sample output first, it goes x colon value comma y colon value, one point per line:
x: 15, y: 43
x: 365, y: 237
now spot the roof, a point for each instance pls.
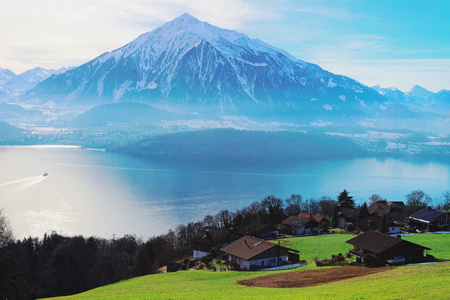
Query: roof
x: 373, y: 223
x: 349, y: 213
x: 259, y: 227
x: 295, y: 221
x: 212, y: 236
x: 383, y: 207
x: 377, y: 242
x: 379, y: 208
x: 247, y: 247
x: 316, y: 218
x: 426, y: 215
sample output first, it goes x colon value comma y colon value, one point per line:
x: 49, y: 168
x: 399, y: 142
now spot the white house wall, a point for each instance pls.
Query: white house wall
x: 394, y: 230
x: 199, y: 254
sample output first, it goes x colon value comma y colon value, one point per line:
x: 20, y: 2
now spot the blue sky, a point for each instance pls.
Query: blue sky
x: 392, y: 43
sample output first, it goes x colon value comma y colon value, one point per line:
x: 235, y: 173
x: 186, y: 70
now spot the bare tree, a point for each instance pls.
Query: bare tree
x: 327, y: 206
x: 6, y: 235
x: 374, y: 198
x: 417, y: 199
x: 273, y: 207
x: 294, y: 205
x: 312, y: 206
x: 443, y: 202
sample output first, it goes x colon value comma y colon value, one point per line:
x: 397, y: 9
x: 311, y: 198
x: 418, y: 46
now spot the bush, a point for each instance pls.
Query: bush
x: 191, y: 263
x: 207, y: 259
x: 186, y: 260
x: 370, y: 260
x: 351, y: 227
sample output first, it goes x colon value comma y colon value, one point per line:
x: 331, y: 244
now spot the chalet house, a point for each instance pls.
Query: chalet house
x: 347, y: 215
x: 260, y: 230
x: 210, y: 238
x: 304, y: 223
x: 427, y: 217
x: 390, y: 209
x: 385, y: 247
x: 250, y: 253
x: 374, y: 223
x: 318, y: 218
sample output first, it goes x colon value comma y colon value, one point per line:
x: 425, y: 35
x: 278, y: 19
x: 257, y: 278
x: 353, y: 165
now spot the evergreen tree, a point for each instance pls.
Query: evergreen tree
x: 383, y: 226
x: 345, y: 200
x: 363, y: 212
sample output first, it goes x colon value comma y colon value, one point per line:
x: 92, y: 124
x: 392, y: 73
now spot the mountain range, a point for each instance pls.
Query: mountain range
x: 195, y: 66
x: 12, y: 85
x: 191, y: 66
x: 419, y: 98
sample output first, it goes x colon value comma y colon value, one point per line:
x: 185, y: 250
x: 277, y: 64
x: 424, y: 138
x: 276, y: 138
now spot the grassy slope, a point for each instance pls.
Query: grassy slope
x: 336, y: 243
x: 408, y: 282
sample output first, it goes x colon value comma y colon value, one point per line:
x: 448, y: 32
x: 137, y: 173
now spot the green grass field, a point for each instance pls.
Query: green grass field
x: 334, y: 244
x: 406, y: 282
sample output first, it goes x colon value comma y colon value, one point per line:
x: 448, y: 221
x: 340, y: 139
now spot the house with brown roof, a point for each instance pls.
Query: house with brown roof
x: 390, y: 209
x: 210, y: 238
x: 305, y: 223
x: 250, y: 253
x: 428, y: 218
x: 347, y: 215
x: 374, y: 223
x: 385, y: 247
x: 260, y: 230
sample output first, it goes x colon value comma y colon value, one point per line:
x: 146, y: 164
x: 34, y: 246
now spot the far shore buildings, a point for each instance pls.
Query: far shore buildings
x: 250, y: 253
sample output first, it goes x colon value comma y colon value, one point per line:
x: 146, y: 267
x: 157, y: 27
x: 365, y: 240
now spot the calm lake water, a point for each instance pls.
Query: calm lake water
x: 97, y: 193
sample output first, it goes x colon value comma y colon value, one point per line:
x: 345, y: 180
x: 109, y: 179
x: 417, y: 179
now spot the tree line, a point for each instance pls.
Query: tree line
x: 56, y: 265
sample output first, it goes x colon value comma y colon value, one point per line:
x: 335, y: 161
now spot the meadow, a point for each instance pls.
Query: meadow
x: 406, y: 282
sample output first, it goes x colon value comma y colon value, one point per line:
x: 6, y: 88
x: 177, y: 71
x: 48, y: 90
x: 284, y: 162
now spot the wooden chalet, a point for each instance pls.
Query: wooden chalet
x: 210, y: 238
x: 250, y: 253
x: 260, y: 230
x: 427, y: 217
x: 374, y: 223
x: 390, y: 209
x: 347, y: 215
x: 385, y: 247
x: 305, y: 223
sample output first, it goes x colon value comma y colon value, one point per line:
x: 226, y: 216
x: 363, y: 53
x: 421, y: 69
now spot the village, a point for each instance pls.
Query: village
x: 378, y: 230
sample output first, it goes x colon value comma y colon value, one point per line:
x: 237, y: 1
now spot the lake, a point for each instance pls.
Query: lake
x: 93, y: 192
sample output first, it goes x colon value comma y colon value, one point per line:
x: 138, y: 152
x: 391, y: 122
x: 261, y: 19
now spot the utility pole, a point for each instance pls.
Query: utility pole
x: 318, y: 255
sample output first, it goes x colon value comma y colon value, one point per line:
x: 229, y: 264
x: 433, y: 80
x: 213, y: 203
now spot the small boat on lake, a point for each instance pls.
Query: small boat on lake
x: 45, y: 174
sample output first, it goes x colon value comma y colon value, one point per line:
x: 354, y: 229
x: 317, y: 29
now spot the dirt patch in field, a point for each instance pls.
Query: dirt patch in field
x: 311, y: 277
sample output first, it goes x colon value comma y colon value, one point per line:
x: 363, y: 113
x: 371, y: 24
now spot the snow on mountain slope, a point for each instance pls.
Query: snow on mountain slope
x: 189, y: 62
x: 5, y: 76
x: 418, y: 98
x: 29, y: 79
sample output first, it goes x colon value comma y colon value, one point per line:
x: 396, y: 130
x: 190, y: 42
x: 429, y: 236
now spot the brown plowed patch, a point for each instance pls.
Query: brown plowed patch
x: 311, y: 277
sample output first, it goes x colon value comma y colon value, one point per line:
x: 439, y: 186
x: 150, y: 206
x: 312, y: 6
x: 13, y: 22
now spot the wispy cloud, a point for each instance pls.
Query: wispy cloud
x: 403, y: 74
x: 338, y: 14
x: 81, y: 30
x: 352, y: 38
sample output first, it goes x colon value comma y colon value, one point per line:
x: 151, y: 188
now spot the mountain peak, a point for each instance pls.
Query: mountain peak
x: 188, y: 61
x: 421, y: 92
x: 186, y: 18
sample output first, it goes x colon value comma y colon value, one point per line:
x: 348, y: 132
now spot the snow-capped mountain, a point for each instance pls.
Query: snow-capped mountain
x: 29, y: 79
x: 5, y: 76
x: 418, y: 98
x: 187, y: 62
